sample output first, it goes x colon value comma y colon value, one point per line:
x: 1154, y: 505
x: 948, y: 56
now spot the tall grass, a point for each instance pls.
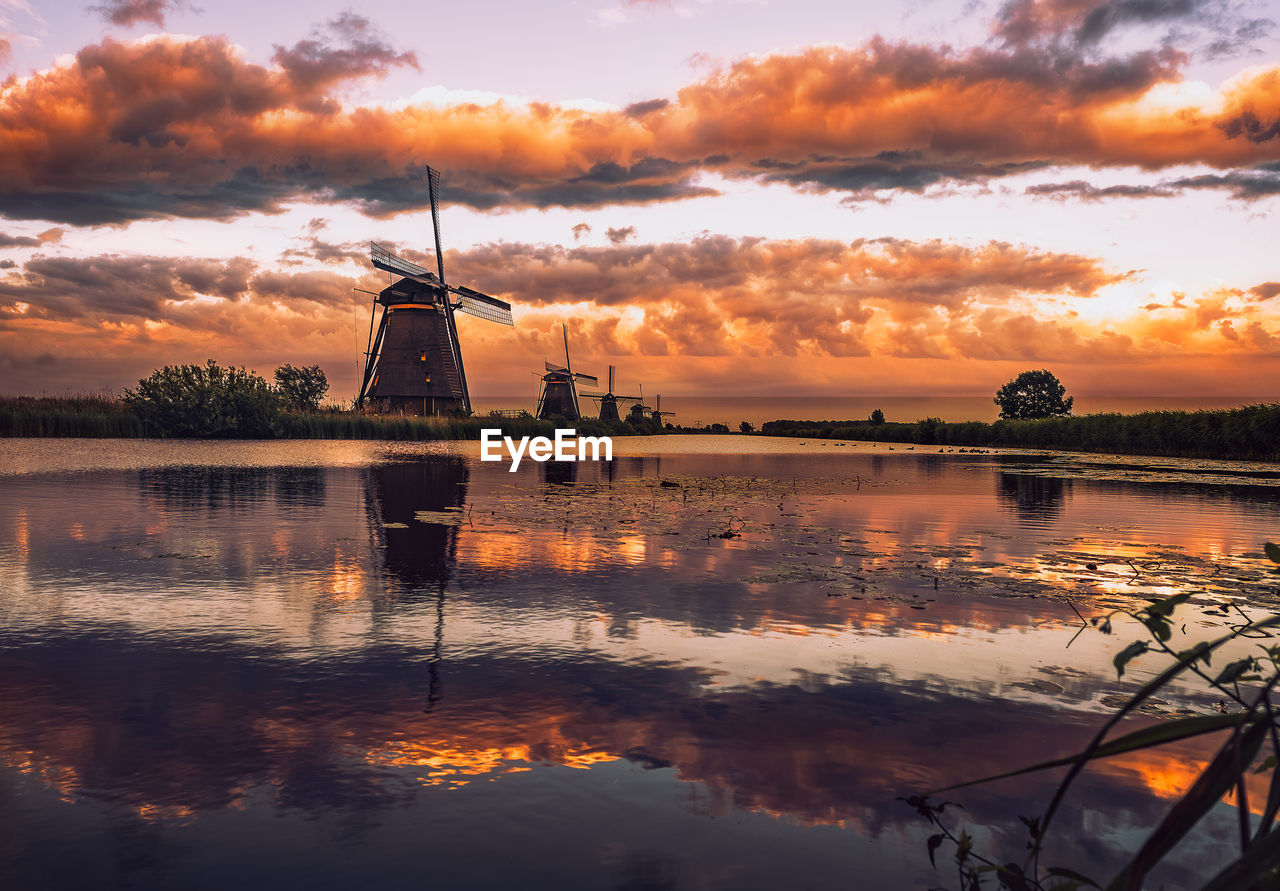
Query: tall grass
x: 89, y: 416
x: 1251, y: 432
x: 98, y: 416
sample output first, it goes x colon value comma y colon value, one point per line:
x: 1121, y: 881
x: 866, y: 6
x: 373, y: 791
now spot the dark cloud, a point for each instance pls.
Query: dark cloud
x: 49, y: 236
x: 346, y: 47
x: 1079, y: 190
x: 620, y: 234
x: 1246, y: 185
x: 115, y: 288
x: 1251, y: 127
x: 132, y: 12
x: 640, y: 109
x: 1266, y: 290
x: 579, y: 230
x: 1071, y: 26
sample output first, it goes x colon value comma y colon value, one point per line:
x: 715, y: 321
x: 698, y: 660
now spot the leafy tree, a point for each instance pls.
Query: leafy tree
x: 745, y: 427
x: 877, y: 417
x: 302, y: 388
x: 206, y: 401
x: 1033, y: 395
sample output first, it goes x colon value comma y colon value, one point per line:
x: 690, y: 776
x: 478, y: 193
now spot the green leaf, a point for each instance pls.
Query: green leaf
x: 1155, y: 735
x: 1262, y: 857
x: 1137, y: 648
x: 1165, y: 607
x: 1203, y: 795
x: 1267, y: 764
x: 933, y: 842
x: 1273, y: 551
x: 1234, y: 670
x: 1073, y: 875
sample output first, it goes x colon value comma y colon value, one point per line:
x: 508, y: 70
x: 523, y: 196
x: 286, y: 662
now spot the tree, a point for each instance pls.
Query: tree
x: 302, y: 388
x: 745, y: 427
x: 877, y: 418
x: 206, y: 401
x: 1033, y: 395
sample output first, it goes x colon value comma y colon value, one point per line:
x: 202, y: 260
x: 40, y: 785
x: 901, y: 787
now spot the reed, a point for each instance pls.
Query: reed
x: 87, y: 416
x: 1249, y: 433
x: 103, y: 416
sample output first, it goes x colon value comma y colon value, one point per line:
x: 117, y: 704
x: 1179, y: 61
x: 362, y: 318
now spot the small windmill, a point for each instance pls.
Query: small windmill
x: 414, y: 363
x: 560, y: 387
x: 609, y: 401
x: 658, y: 414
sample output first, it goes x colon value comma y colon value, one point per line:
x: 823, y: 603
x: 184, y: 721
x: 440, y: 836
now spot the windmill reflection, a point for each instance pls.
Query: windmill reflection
x: 415, y: 509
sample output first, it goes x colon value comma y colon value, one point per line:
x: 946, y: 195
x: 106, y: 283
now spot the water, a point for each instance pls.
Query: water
x: 335, y: 664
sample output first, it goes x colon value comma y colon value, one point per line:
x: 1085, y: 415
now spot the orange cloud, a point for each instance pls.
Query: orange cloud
x: 728, y: 313
x: 168, y: 127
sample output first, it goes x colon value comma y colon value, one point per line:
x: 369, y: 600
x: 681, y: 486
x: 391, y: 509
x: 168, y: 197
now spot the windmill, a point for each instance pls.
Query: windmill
x: 658, y: 414
x: 414, y: 363
x: 559, y: 387
x: 609, y: 400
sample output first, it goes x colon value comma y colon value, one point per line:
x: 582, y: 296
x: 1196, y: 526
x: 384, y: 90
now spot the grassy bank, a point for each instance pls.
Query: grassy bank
x: 92, y: 416
x: 1250, y: 433
x: 96, y: 416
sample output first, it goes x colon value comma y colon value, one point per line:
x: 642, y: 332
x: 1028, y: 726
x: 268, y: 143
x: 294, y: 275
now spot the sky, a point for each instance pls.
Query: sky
x: 720, y: 197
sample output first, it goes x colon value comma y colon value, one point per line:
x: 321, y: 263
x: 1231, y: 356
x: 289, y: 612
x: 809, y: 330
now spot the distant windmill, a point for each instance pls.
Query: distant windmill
x: 658, y: 414
x: 609, y: 400
x: 560, y: 387
x: 414, y: 363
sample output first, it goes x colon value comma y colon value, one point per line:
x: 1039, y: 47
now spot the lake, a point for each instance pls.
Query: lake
x: 712, y: 663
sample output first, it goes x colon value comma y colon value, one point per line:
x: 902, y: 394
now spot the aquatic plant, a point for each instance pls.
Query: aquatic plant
x: 1252, y: 727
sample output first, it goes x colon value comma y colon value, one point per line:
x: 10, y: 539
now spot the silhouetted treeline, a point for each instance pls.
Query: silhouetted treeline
x: 1251, y: 433
x: 98, y: 416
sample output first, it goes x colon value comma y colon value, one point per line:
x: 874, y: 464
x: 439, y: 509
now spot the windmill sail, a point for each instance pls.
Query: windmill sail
x: 473, y: 303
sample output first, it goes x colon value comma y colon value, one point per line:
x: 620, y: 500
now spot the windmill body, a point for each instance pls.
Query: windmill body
x: 609, y: 401
x: 559, y: 397
x: 414, y: 363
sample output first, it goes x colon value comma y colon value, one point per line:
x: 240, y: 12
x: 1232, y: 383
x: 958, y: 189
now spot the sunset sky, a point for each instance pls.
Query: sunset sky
x: 746, y: 197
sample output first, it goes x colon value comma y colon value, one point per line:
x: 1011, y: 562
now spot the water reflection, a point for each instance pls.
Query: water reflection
x: 572, y: 663
x: 1036, y: 498
x: 415, y: 509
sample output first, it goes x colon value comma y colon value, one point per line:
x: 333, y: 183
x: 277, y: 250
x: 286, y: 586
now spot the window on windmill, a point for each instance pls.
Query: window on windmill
x: 422, y: 357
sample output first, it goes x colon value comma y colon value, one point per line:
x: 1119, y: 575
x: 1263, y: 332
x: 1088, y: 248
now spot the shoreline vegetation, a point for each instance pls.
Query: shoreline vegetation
x: 1248, y: 433
x: 107, y: 417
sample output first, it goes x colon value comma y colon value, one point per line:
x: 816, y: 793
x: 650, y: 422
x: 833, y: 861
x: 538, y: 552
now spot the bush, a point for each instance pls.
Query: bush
x: 208, y: 402
x: 301, y: 388
x: 877, y: 417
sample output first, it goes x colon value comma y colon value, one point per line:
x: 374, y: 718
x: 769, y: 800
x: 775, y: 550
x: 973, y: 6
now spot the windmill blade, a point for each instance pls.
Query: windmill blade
x: 482, y: 306
x: 586, y: 378
x: 551, y: 366
x: 388, y: 262
x: 433, y: 187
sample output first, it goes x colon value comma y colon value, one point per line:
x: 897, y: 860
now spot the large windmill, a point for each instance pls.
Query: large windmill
x: 609, y: 401
x: 414, y: 364
x: 560, y: 387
